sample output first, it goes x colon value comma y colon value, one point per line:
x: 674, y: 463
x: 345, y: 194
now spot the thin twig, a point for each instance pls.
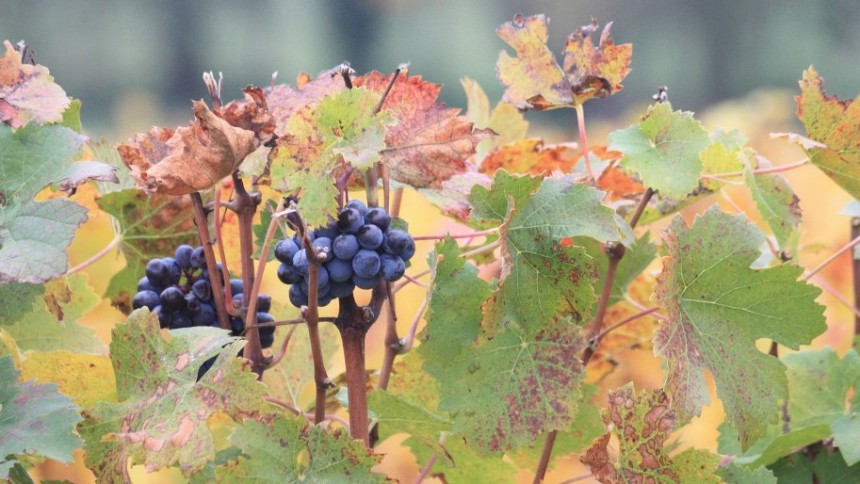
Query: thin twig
x: 406, y: 344
x: 578, y: 478
x: 457, y: 236
x: 759, y: 171
x: 583, y: 139
x: 247, y: 207
x: 621, y: 323
x: 833, y: 292
x: 425, y: 471
x: 832, y: 258
x: 211, y: 264
x: 284, y: 346
x: 105, y: 251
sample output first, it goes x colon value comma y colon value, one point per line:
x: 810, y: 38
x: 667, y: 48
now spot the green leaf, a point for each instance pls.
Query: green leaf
x: 636, y: 259
x: 288, y: 450
x: 583, y: 429
x: 774, y: 445
x: 396, y: 415
x: 825, y: 468
x: 260, y: 230
x: 490, y: 205
x: 318, y: 203
x: 539, y: 275
x: 33, y: 242
x: 462, y: 462
x: 642, y: 423
x: 51, y: 322
x: 148, y: 226
x: 663, y: 149
x: 819, y: 385
x: 738, y: 474
x: 718, y: 307
x: 835, y: 124
x: 777, y: 204
x: 17, y: 300
x: 161, y: 418
x: 72, y: 116
x: 34, y: 420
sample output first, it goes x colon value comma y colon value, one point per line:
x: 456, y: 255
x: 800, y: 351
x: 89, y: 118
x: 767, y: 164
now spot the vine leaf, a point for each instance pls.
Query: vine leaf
x: 284, y: 101
x: 777, y: 203
x: 501, y: 392
x: 663, y: 149
x: 532, y: 156
x: 505, y: 120
x: 34, y: 235
x: 532, y: 79
x: 289, y: 380
x: 86, y: 378
x: 819, y: 384
x: 50, y: 322
x: 427, y: 143
x: 718, y: 307
x: 738, y: 474
x: 289, y: 450
x: 835, y: 124
x: 539, y: 276
x: 467, y: 463
x: 595, y: 71
x: 28, y: 92
x: 34, y: 420
x: 773, y: 446
x: 251, y: 113
x: 161, y: 417
x: 642, y: 424
x: 396, y: 414
x: 826, y: 466
x: 149, y: 227
x: 189, y: 159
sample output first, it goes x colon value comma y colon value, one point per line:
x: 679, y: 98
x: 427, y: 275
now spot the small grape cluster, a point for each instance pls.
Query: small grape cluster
x: 358, y: 250
x: 177, y: 289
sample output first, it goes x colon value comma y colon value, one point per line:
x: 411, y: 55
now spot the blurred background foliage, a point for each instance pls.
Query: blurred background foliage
x: 736, y: 63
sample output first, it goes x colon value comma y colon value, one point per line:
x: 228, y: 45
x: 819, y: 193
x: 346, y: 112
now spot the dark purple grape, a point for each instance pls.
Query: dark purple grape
x: 237, y: 325
x: 192, y: 304
x: 145, y: 285
x: 265, y: 317
x: 158, y: 273
x: 339, y: 270
x: 329, y: 231
x: 345, y: 246
x: 349, y: 220
x: 322, y: 281
x: 236, y: 286
x: 198, y: 258
x: 202, y: 289
x: 370, y: 237
x: 285, y: 250
x: 237, y: 301
x: 365, y: 282
x: 205, y: 273
x: 297, y: 297
x: 174, y: 269
x: 358, y: 205
x: 325, y: 299
x: 183, y: 256
x: 163, y: 317
x: 266, y: 339
x: 206, y: 316
x: 392, y: 267
x: 341, y: 288
x: 172, y: 299
x: 300, y: 261
x: 366, y: 263
x: 264, y: 303
x: 145, y: 298
x: 289, y: 274
x: 379, y: 217
x: 398, y: 242
x: 180, y: 319
x: 323, y: 247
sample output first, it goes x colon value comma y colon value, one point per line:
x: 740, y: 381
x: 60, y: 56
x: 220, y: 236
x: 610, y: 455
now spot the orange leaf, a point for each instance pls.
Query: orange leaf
x: 595, y: 71
x: 251, y: 113
x: 189, y: 159
x: 531, y: 156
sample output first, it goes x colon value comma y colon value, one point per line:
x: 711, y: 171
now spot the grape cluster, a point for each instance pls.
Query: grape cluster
x: 177, y: 289
x: 358, y: 250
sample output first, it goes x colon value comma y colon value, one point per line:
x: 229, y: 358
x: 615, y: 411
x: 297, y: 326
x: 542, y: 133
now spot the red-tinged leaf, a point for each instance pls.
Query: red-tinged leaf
x: 28, y: 92
x: 595, y: 71
x: 251, y: 113
x: 189, y: 159
x: 427, y: 142
x: 836, y: 124
x: 532, y: 156
x: 642, y: 424
x: 533, y: 79
x: 718, y: 307
x: 284, y: 101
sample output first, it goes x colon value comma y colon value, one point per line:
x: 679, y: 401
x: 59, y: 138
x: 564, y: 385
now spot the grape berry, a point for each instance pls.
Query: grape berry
x: 359, y: 249
x: 177, y: 289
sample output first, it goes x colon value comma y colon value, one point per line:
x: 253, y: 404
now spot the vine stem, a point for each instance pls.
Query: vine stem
x: 105, y: 251
x: 246, y: 207
x: 209, y: 253
x: 855, y: 262
x: 225, y: 271
x: 759, y: 171
x: 830, y: 259
x: 583, y: 138
x: 833, y: 292
x: 614, y: 252
x: 413, y: 328
x: 425, y: 471
x: 458, y: 236
x: 392, y: 339
x: 627, y: 320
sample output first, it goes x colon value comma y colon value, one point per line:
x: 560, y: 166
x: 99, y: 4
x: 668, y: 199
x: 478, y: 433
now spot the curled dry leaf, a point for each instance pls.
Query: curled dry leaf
x: 82, y: 171
x: 251, y: 113
x: 189, y: 159
x: 28, y: 92
x: 595, y: 71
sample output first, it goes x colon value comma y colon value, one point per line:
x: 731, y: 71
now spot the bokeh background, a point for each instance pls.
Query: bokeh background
x: 736, y: 63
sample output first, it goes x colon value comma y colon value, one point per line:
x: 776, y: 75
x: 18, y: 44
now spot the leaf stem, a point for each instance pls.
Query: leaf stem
x: 545, y: 455
x: 758, y: 171
x: 406, y: 343
x: 623, y: 322
x: 284, y: 346
x: 225, y: 270
x: 457, y: 236
x: 833, y: 257
x: 583, y: 138
x: 105, y: 251
x: 425, y: 471
x: 855, y: 262
x: 209, y: 253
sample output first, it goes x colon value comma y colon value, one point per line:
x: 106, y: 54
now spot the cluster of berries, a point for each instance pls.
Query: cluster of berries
x: 358, y: 250
x: 177, y: 289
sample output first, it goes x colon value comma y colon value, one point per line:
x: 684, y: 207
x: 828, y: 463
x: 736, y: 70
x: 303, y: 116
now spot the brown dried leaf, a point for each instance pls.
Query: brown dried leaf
x: 595, y: 71
x: 189, y: 159
x: 251, y: 113
x: 28, y: 92
x: 284, y: 101
x: 428, y: 143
